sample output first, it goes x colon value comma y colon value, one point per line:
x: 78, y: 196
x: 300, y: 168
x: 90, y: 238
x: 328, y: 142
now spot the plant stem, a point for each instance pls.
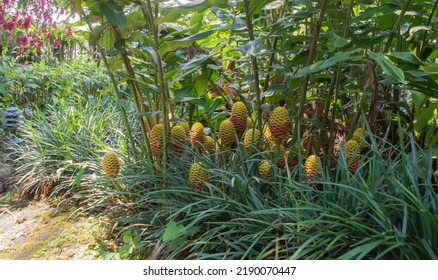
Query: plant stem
x: 119, y: 98
x: 255, y: 68
x: 429, y: 21
x: 395, y: 28
x: 312, y: 51
x: 149, y: 18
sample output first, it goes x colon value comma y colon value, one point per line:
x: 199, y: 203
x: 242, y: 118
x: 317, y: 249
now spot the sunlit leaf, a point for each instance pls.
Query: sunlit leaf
x: 388, y: 67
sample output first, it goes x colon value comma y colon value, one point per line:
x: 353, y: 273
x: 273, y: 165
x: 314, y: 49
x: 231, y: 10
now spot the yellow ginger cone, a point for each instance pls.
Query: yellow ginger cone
x: 227, y: 133
x: 265, y: 170
x: 311, y: 166
x: 279, y: 123
x: 238, y: 117
x: 351, y: 147
x: 198, y: 175
x: 359, y: 136
x: 208, y: 144
x: 111, y: 165
x: 156, y: 139
x: 353, y: 164
x: 186, y: 127
x: 251, y: 138
x: 268, y: 138
x: 197, y: 135
x: 146, y: 124
x: 178, y: 135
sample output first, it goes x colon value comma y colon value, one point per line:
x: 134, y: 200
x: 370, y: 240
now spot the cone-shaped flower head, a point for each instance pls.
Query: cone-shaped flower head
x: 251, y: 138
x: 156, y: 139
x: 238, y: 117
x: 227, y: 133
x: 265, y: 170
x: 311, y: 166
x: 197, y: 135
x: 279, y: 123
x: 178, y: 135
x: 208, y: 144
x: 111, y: 165
x: 198, y: 175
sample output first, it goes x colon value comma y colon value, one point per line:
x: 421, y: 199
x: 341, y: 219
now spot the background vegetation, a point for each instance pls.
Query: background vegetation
x: 336, y: 66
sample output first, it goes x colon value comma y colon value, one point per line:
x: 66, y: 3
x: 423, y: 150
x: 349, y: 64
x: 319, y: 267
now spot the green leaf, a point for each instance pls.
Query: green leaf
x: 422, y: 119
x: 140, y: 37
x: 406, y: 56
x: 433, y: 55
x: 336, y: 41
x: 216, y: 104
x: 324, y: 64
x: 195, y: 63
x: 172, y: 231
x: 388, y: 67
x: 259, y: 4
x: 114, y: 13
x: 97, y: 33
x: 371, y: 12
x: 174, y: 13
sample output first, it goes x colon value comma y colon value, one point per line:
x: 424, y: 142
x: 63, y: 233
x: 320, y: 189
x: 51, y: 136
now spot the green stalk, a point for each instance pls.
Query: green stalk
x: 334, y: 90
x: 429, y: 21
x: 255, y: 67
x: 396, y: 27
x: 138, y: 104
x: 312, y: 51
x: 149, y: 18
x: 138, y: 100
x: 122, y: 109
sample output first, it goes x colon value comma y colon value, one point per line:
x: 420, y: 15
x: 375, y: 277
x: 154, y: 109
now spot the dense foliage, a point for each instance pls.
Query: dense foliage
x: 285, y: 129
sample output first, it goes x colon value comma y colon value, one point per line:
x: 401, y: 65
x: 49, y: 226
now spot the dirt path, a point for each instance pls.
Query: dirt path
x: 39, y: 231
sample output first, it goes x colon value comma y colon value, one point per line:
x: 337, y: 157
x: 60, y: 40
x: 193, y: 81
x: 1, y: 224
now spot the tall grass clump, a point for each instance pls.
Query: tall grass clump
x: 387, y: 209
x: 63, y: 146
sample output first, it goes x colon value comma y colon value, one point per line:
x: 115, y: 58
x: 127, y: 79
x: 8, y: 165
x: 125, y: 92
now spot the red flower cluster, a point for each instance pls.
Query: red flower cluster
x: 32, y: 26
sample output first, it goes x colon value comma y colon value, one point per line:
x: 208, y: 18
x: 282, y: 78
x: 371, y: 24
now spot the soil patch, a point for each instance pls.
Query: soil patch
x: 39, y: 231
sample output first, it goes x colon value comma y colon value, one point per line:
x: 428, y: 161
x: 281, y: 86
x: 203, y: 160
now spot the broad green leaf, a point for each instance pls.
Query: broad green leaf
x: 274, y: 5
x: 169, y: 46
x: 256, y: 6
x: 433, y: 55
x: 324, y: 64
x: 422, y: 118
x: 114, y: 13
x: 172, y: 231
x: 416, y: 29
x: 174, y: 13
x: 196, y: 22
x: 216, y: 104
x: 336, y: 41
x: 195, y: 63
x: 201, y: 83
x: 97, y: 33
x: 140, y: 37
x: 371, y: 12
x: 406, y: 56
x: 388, y: 67
x: 432, y: 68
x: 198, y: 36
